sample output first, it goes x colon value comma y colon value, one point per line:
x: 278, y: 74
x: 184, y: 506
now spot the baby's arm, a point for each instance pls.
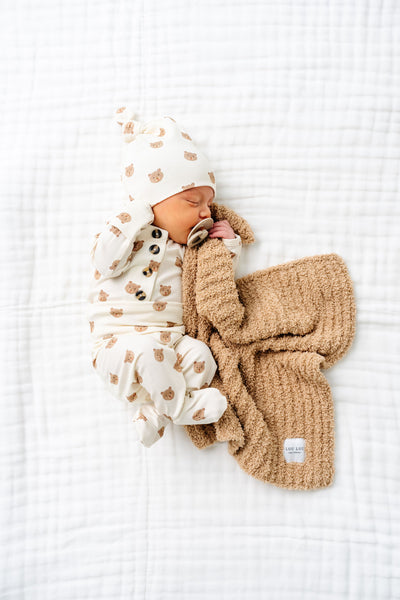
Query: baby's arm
x: 232, y: 241
x: 114, y: 244
x: 235, y: 247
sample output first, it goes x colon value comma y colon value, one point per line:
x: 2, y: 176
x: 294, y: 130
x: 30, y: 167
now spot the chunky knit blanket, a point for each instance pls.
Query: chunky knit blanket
x: 271, y: 332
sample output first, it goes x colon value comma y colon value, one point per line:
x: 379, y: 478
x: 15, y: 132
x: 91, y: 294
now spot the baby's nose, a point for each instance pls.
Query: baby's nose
x: 205, y: 212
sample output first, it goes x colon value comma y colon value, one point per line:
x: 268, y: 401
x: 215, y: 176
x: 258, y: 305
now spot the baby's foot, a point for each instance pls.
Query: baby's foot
x: 202, y: 407
x: 150, y: 425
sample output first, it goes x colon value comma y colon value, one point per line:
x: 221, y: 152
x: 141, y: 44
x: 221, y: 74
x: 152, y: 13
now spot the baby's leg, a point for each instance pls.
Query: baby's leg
x: 166, y: 373
x: 128, y: 360
x: 202, y: 403
x: 196, y: 362
x: 115, y: 364
x: 144, y: 360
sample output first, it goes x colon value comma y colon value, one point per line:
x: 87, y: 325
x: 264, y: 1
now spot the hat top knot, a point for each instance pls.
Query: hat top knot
x: 132, y: 126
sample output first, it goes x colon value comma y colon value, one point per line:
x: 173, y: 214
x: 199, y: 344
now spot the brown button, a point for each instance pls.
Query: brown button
x: 154, y: 249
x: 148, y: 271
x: 140, y: 295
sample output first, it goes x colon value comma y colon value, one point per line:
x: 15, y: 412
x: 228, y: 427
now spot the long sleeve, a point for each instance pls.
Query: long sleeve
x: 114, y: 244
x: 235, y: 247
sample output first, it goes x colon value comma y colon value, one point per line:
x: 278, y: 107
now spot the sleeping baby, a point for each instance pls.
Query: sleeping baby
x: 135, y: 312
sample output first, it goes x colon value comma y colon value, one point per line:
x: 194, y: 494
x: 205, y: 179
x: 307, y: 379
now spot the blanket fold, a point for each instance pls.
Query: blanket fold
x: 271, y: 332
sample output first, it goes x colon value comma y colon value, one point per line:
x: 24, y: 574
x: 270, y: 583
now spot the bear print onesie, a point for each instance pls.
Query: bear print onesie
x: 135, y: 310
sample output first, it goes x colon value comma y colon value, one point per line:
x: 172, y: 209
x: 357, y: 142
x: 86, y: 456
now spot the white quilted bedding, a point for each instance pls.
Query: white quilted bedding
x: 297, y: 104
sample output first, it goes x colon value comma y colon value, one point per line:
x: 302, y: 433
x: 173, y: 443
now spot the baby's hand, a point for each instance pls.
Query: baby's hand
x: 221, y: 229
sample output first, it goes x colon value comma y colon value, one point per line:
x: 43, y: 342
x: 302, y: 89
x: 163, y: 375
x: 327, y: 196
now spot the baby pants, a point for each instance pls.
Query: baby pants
x: 166, y: 375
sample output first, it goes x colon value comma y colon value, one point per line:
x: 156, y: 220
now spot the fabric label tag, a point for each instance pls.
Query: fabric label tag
x: 293, y: 449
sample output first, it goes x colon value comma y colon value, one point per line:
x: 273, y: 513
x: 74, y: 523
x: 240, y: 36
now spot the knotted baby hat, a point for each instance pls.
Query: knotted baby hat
x: 159, y: 159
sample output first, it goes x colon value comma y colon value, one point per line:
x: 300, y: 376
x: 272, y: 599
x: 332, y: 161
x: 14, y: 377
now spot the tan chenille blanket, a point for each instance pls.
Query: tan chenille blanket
x: 271, y: 332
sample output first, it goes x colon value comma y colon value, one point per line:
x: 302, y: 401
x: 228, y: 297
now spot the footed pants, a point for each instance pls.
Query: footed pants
x: 165, y: 375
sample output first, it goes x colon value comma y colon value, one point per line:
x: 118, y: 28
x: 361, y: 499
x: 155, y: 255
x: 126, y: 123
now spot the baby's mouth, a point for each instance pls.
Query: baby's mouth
x: 199, y: 232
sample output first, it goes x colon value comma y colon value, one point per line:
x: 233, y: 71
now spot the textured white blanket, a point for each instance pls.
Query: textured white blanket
x: 297, y: 104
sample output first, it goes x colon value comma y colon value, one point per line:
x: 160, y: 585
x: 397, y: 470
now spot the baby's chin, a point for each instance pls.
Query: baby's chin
x: 179, y: 237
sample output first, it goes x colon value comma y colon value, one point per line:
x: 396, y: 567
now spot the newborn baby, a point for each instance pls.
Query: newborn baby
x: 140, y: 349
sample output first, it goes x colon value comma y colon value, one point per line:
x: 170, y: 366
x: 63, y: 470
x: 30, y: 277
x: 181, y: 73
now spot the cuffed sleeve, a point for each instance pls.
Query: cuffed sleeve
x: 235, y: 247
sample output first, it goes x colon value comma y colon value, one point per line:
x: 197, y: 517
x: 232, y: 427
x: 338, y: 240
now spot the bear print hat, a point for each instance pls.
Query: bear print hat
x: 159, y: 159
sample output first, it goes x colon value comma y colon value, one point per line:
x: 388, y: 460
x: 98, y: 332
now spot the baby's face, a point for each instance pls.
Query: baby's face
x: 179, y: 213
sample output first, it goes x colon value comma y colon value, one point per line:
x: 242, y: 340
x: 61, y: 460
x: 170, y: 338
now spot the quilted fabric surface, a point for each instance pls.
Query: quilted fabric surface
x: 297, y: 105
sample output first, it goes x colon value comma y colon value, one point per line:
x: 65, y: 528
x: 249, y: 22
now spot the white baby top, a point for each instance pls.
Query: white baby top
x: 137, y: 277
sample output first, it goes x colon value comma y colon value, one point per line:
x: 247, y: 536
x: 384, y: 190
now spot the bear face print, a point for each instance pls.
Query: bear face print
x: 187, y: 187
x: 159, y: 306
x: 132, y: 397
x: 116, y: 312
x: 131, y: 198
x: 168, y: 394
x: 154, y: 265
x: 177, y: 365
x: 141, y: 417
x: 102, y: 297
x: 156, y: 176
x: 138, y: 378
x: 113, y: 378
x: 161, y: 431
x: 189, y: 155
x: 129, y: 171
x: 179, y: 262
x: 114, y: 265
x: 129, y: 356
x: 165, y: 290
x: 158, y: 354
x: 137, y: 245
x: 212, y: 177
x: 157, y: 144
x: 115, y: 230
x: 186, y: 136
x: 97, y: 274
x: 112, y: 342
x: 140, y: 328
x: 199, y: 366
x: 165, y: 337
x: 124, y: 217
x: 130, y: 257
x: 162, y: 132
x: 129, y: 127
x: 131, y: 288
x: 199, y: 415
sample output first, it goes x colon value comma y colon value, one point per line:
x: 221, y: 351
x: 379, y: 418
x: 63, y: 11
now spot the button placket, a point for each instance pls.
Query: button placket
x: 150, y: 274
